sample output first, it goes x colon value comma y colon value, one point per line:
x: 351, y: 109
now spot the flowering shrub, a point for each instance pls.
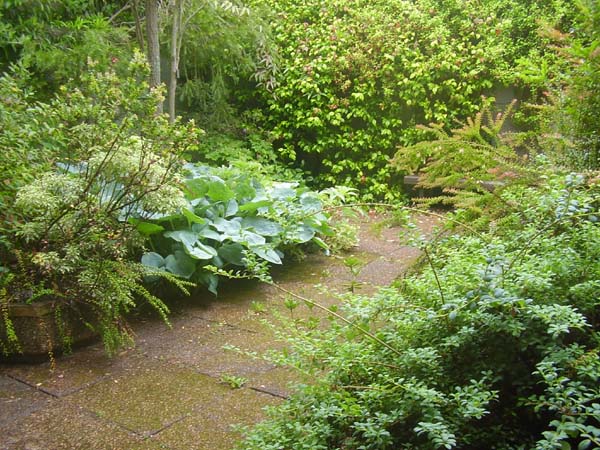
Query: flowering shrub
x: 358, y: 76
x: 81, y: 167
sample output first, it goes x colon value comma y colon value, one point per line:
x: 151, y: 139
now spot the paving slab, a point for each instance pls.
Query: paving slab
x: 150, y: 397
x: 213, y: 425
x: 69, y: 373
x: 18, y: 400
x: 63, y: 425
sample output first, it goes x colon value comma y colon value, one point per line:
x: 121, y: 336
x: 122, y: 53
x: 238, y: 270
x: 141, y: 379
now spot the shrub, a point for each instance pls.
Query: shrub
x: 494, y: 345
x: 80, y: 168
x: 582, y: 100
x: 359, y: 76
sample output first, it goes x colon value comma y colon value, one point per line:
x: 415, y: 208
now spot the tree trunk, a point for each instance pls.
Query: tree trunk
x: 138, y: 25
x: 152, y: 31
x: 175, y: 48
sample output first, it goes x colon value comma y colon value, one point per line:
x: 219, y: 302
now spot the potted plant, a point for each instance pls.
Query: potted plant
x: 81, y: 168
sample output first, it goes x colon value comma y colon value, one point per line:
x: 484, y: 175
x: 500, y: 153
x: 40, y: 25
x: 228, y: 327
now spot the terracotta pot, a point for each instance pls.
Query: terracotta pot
x: 39, y: 333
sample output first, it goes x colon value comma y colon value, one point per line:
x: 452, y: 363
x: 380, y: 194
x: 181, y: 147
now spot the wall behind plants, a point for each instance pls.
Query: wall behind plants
x: 356, y: 77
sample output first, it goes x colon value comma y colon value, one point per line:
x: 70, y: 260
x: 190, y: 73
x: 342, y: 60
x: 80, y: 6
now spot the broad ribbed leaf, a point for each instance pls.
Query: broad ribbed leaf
x: 262, y: 226
x: 255, y: 205
x: 301, y: 233
x: 219, y: 191
x: 186, y: 237
x: 232, y: 208
x: 229, y: 227
x: 232, y: 253
x: 266, y: 253
x: 310, y: 202
x: 148, y: 228
x: 191, y: 217
x: 201, y: 251
x: 250, y: 238
x: 180, y: 264
x: 209, y: 233
x: 152, y: 259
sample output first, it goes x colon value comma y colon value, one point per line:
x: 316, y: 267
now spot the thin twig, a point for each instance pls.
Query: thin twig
x: 338, y: 316
x: 437, y: 280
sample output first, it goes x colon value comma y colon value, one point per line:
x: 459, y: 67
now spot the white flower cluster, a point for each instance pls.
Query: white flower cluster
x: 48, y: 193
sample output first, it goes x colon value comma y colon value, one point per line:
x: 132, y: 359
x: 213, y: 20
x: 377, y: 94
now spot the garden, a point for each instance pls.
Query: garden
x: 158, y: 156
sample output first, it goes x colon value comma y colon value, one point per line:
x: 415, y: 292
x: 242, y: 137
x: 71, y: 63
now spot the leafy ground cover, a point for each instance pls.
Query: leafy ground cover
x: 233, y: 220
x: 493, y: 345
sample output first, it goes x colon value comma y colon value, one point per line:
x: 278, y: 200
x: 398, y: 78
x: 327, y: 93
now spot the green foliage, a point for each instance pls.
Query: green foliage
x: 494, y: 345
x: 360, y: 75
x: 582, y: 100
x: 225, y: 45
x: 478, y: 151
x: 54, y: 40
x: 233, y: 381
x: 467, y: 163
x: 251, y: 154
x: 231, y: 219
x: 81, y: 168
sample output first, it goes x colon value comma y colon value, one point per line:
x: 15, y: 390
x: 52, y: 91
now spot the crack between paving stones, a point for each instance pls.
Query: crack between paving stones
x: 266, y: 391
x: 140, y: 434
x: 168, y: 425
x: 62, y: 394
x: 96, y: 416
x: 33, y: 386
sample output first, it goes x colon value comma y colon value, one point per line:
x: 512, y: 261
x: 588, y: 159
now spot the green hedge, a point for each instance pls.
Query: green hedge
x: 355, y: 77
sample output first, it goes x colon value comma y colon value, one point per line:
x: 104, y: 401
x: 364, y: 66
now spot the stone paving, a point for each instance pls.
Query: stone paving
x: 170, y: 391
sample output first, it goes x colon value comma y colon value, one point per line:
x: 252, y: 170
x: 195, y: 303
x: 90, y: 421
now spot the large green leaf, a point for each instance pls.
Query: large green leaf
x: 146, y: 228
x: 249, y: 238
x: 321, y: 243
x: 232, y: 253
x: 219, y: 191
x: 310, y: 202
x: 186, y: 237
x: 196, y: 188
x: 266, y: 253
x: 229, y: 227
x: 209, y: 233
x: 252, y: 206
x: 284, y: 191
x: 180, y: 264
x: 208, y: 279
x: 301, y: 233
x: 231, y: 208
x: 191, y: 217
x: 200, y: 251
x: 262, y: 226
x: 153, y: 259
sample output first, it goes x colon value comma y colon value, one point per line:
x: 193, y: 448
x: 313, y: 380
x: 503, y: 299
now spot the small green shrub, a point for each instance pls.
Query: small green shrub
x: 494, y: 345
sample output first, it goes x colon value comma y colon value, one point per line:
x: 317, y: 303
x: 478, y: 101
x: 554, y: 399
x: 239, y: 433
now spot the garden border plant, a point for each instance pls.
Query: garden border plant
x: 98, y: 157
x: 531, y: 288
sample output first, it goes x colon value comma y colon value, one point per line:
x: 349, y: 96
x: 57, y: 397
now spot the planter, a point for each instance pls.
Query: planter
x: 39, y: 332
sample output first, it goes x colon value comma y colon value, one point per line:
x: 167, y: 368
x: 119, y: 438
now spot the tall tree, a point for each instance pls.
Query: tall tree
x: 176, y: 34
x: 152, y: 34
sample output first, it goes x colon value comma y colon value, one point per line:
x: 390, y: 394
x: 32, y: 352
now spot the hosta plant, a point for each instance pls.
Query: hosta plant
x: 232, y: 220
